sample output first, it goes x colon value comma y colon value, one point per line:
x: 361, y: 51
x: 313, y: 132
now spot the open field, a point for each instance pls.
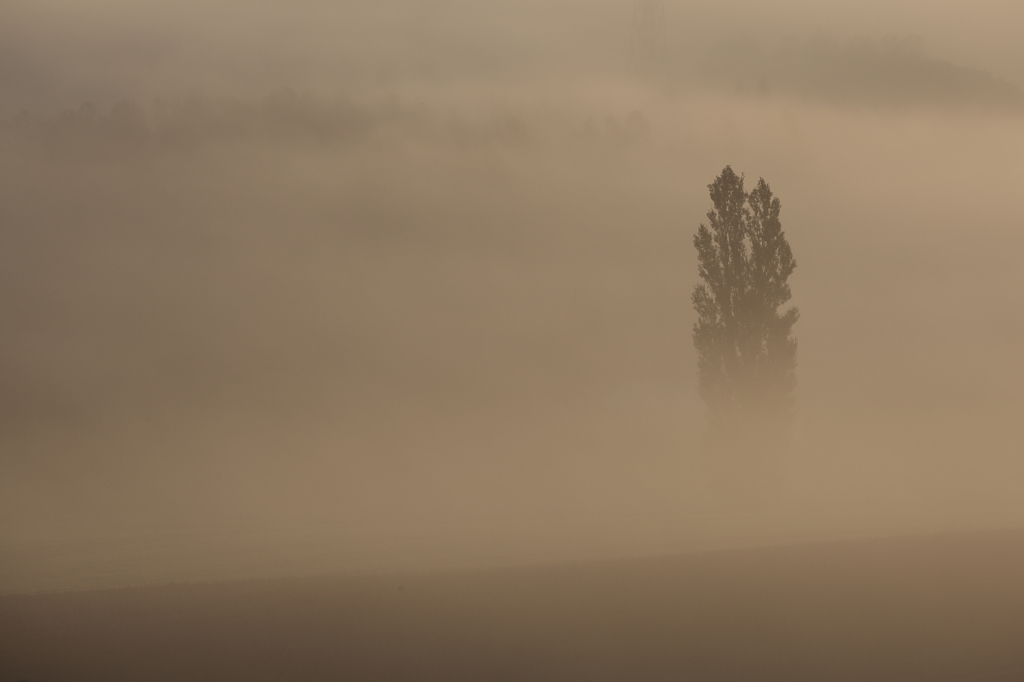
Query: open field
x: 938, y: 608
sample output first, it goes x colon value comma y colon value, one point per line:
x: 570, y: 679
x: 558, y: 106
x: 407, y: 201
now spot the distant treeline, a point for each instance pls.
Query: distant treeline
x: 887, y: 72
x: 288, y: 115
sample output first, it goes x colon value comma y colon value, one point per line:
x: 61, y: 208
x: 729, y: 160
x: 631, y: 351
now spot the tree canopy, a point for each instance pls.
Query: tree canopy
x: 746, y: 355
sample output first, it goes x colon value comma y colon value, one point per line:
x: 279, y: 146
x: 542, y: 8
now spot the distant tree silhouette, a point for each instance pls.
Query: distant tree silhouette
x: 648, y: 39
x: 746, y: 355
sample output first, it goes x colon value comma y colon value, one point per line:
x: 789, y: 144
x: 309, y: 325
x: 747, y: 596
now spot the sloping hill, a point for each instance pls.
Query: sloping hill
x: 938, y: 608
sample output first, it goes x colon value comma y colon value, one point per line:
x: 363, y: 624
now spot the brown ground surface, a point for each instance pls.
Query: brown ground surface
x: 939, y: 608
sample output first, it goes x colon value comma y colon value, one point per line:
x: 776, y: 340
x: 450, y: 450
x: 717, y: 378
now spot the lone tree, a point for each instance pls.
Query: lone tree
x: 746, y: 355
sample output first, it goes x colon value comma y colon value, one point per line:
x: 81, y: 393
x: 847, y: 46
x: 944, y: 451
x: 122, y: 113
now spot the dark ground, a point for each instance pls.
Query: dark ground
x: 942, y: 608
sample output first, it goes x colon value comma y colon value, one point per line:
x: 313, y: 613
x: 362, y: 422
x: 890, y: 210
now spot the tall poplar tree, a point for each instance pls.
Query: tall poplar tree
x: 746, y: 355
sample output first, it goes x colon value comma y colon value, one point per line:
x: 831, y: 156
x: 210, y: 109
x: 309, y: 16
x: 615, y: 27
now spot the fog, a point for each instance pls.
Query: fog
x: 325, y: 287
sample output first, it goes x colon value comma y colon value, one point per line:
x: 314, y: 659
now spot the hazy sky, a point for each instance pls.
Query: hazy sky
x: 59, y: 53
x: 420, y: 272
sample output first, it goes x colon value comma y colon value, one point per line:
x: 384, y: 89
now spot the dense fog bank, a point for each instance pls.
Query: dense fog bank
x: 437, y: 310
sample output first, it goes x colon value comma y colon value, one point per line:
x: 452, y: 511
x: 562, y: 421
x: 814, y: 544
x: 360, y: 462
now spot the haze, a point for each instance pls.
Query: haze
x: 308, y: 287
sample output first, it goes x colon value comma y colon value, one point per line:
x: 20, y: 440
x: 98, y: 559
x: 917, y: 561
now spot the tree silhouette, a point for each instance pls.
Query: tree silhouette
x: 746, y: 356
x: 648, y: 28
